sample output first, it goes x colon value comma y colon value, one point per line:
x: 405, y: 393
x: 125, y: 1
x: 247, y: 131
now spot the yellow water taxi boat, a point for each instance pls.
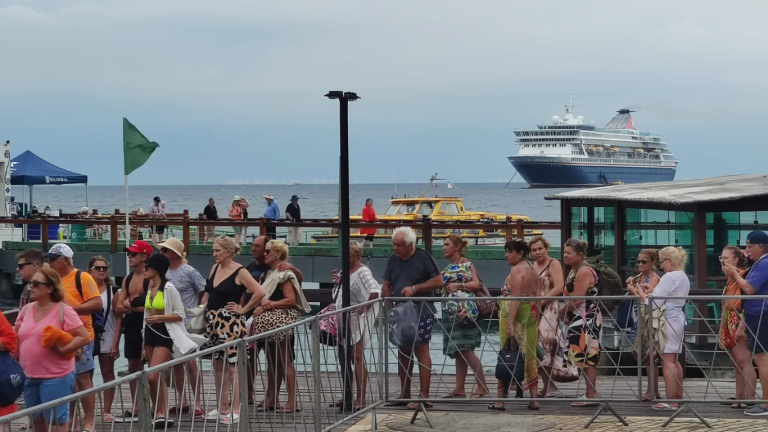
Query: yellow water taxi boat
x: 439, y: 209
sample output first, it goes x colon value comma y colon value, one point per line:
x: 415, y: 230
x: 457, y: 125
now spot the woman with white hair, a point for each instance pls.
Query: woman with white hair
x: 674, y: 283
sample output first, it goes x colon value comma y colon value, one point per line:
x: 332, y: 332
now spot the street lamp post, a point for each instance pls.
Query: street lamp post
x: 345, y: 355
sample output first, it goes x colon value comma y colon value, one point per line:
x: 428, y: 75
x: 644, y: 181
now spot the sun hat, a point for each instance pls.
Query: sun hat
x: 269, y: 196
x: 294, y: 198
x: 176, y: 245
x: 236, y: 198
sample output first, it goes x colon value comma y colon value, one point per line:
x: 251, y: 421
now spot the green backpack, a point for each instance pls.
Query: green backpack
x: 608, y: 284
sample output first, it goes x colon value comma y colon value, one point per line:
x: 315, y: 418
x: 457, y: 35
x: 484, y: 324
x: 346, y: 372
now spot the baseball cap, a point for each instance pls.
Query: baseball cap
x: 59, y: 250
x: 757, y: 237
x: 236, y: 198
x: 139, y: 246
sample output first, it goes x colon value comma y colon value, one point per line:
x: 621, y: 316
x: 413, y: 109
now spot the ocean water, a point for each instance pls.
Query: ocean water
x: 316, y: 201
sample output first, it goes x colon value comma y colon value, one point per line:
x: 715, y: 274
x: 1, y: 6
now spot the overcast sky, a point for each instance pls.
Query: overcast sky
x: 233, y: 90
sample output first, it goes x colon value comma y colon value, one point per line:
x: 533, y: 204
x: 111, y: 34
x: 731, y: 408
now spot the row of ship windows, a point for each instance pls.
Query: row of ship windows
x: 549, y: 145
x: 547, y: 133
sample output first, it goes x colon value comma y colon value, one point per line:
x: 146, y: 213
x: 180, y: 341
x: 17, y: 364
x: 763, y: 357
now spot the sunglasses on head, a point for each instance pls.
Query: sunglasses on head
x: 20, y: 266
x: 35, y: 284
x: 100, y: 268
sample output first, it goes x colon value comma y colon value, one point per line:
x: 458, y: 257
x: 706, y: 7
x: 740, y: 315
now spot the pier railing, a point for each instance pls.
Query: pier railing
x: 112, y: 227
x: 297, y: 379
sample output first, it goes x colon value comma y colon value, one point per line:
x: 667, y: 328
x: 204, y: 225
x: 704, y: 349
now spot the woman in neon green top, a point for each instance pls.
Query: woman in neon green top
x: 164, y: 333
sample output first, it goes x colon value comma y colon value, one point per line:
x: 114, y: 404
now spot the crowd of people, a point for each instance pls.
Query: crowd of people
x: 560, y: 338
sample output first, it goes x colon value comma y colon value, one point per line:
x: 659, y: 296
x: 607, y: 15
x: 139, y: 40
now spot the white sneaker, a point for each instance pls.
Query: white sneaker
x: 212, y: 415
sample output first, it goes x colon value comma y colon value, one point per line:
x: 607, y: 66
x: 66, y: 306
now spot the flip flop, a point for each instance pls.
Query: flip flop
x: 453, y: 395
x: 262, y: 408
x: 361, y: 407
x: 288, y: 411
x: 395, y: 404
x: 478, y: 395
x: 584, y: 403
x: 533, y: 407
x: 493, y: 407
x: 663, y: 407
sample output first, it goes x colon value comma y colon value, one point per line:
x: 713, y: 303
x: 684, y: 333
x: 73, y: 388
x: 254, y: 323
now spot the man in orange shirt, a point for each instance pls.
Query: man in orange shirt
x: 84, y: 297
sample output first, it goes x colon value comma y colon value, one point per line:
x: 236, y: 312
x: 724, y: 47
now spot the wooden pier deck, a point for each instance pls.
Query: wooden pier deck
x: 608, y: 386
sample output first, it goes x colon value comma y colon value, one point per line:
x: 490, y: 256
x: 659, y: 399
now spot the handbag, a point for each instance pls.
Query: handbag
x: 12, y: 379
x: 197, y: 324
x: 485, y: 308
x: 510, y: 364
x: 329, y: 325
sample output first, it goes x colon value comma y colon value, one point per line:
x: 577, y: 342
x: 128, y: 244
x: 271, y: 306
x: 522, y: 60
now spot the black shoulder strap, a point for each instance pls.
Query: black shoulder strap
x: 128, y: 280
x: 146, y: 286
x: 79, y: 284
x: 109, y: 303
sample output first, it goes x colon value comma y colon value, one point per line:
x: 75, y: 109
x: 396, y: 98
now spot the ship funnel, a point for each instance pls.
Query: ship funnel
x: 622, y: 120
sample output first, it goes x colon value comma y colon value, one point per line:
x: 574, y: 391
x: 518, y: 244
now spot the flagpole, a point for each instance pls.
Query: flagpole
x: 127, y: 224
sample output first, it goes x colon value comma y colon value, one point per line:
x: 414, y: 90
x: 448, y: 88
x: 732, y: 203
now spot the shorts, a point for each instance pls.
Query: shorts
x: 132, y: 346
x: 758, y: 340
x: 425, y: 328
x: 369, y: 238
x: 159, y: 229
x: 156, y: 336
x: 86, y: 364
x: 237, y: 229
x: 38, y: 391
x: 210, y: 231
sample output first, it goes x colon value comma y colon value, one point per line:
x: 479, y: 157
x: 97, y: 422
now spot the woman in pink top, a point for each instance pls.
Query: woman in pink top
x: 53, y: 378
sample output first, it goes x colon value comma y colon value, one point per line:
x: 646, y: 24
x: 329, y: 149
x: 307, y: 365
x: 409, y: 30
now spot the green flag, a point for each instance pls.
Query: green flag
x: 136, y: 147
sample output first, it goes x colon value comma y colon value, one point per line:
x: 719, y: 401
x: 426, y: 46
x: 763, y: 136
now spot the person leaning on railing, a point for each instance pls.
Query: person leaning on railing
x: 225, y: 322
x: 283, y: 303
x: 674, y: 283
x: 461, y: 332
x: 755, y: 322
x: 53, y: 378
x: 738, y: 349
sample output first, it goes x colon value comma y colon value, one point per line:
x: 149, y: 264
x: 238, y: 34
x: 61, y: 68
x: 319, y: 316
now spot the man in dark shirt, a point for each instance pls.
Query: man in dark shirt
x: 412, y: 272
x: 212, y: 215
x: 293, y: 214
x: 258, y: 269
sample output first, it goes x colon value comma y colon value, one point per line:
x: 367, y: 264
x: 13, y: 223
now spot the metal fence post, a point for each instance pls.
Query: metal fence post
x: 385, y: 369
x: 242, y: 380
x: 318, y: 405
x: 382, y: 349
x: 639, y: 356
x: 144, y: 403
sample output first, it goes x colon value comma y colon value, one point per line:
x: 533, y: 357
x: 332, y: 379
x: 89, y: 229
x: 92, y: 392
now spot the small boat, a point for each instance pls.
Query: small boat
x: 438, y: 209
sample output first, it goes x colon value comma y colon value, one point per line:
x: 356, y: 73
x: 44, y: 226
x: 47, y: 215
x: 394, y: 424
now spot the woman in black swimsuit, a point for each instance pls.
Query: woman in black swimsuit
x: 225, y: 321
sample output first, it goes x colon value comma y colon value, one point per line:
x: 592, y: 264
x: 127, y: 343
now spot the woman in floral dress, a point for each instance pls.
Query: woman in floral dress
x: 461, y: 331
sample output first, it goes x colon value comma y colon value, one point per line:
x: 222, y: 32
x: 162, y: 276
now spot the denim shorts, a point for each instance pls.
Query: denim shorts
x: 86, y: 364
x: 757, y: 332
x: 38, y: 391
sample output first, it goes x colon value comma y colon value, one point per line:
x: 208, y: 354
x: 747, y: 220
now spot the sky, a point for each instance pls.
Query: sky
x: 233, y: 90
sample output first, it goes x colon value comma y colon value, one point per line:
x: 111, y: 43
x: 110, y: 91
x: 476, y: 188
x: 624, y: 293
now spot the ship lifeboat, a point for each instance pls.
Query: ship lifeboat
x: 657, y: 151
x: 639, y: 150
x: 614, y: 149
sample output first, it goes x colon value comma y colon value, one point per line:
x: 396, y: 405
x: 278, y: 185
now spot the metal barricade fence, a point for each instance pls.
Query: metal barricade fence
x: 297, y: 378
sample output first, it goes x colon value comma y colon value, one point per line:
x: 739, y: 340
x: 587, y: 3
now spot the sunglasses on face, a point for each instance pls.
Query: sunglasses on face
x: 100, y: 268
x: 132, y: 254
x: 37, y: 284
x: 164, y: 250
x: 20, y: 266
x: 643, y: 262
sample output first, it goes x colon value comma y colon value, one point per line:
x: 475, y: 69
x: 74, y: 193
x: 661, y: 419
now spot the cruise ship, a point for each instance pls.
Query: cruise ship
x: 570, y: 153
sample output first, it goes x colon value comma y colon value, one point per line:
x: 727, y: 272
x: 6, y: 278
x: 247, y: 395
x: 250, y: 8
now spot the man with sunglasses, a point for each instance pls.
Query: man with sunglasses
x: 28, y: 263
x: 130, y: 303
x: 190, y: 284
x: 83, y: 295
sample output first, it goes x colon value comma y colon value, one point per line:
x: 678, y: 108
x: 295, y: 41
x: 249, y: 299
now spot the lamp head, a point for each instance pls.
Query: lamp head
x: 335, y: 94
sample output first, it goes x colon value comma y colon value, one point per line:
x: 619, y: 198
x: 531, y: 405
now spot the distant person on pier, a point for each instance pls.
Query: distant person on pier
x: 50, y: 371
x: 225, y: 322
x: 271, y: 213
x: 157, y: 212
x: 84, y: 297
x: 460, y: 317
x: 28, y: 263
x: 237, y: 214
x: 130, y: 303
x: 258, y: 270
x: 369, y: 215
x: 755, y: 323
x: 107, y: 345
x: 211, y: 214
x: 412, y: 272
x: 731, y: 318
x: 190, y: 284
x: 293, y: 214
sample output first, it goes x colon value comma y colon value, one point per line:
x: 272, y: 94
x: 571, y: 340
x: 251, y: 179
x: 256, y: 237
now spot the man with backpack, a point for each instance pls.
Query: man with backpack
x: 83, y: 295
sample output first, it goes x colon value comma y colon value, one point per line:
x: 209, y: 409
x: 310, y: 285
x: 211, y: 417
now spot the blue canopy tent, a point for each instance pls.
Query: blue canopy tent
x: 28, y: 169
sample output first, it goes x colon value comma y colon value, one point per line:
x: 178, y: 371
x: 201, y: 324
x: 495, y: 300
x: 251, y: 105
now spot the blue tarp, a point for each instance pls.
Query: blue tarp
x: 29, y: 169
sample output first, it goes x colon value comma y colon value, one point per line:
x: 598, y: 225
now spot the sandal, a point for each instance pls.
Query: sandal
x: 108, y: 418
x: 739, y: 406
x: 395, y: 404
x: 584, y: 402
x: 493, y: 407
x: 664, y: 407
x: 285, y: 410
x: 452, y: 395
x: 414, y: 405
x: 533, y: 406
x: 478, y: 395
x: 261, y: 408
x: 647, y: 397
